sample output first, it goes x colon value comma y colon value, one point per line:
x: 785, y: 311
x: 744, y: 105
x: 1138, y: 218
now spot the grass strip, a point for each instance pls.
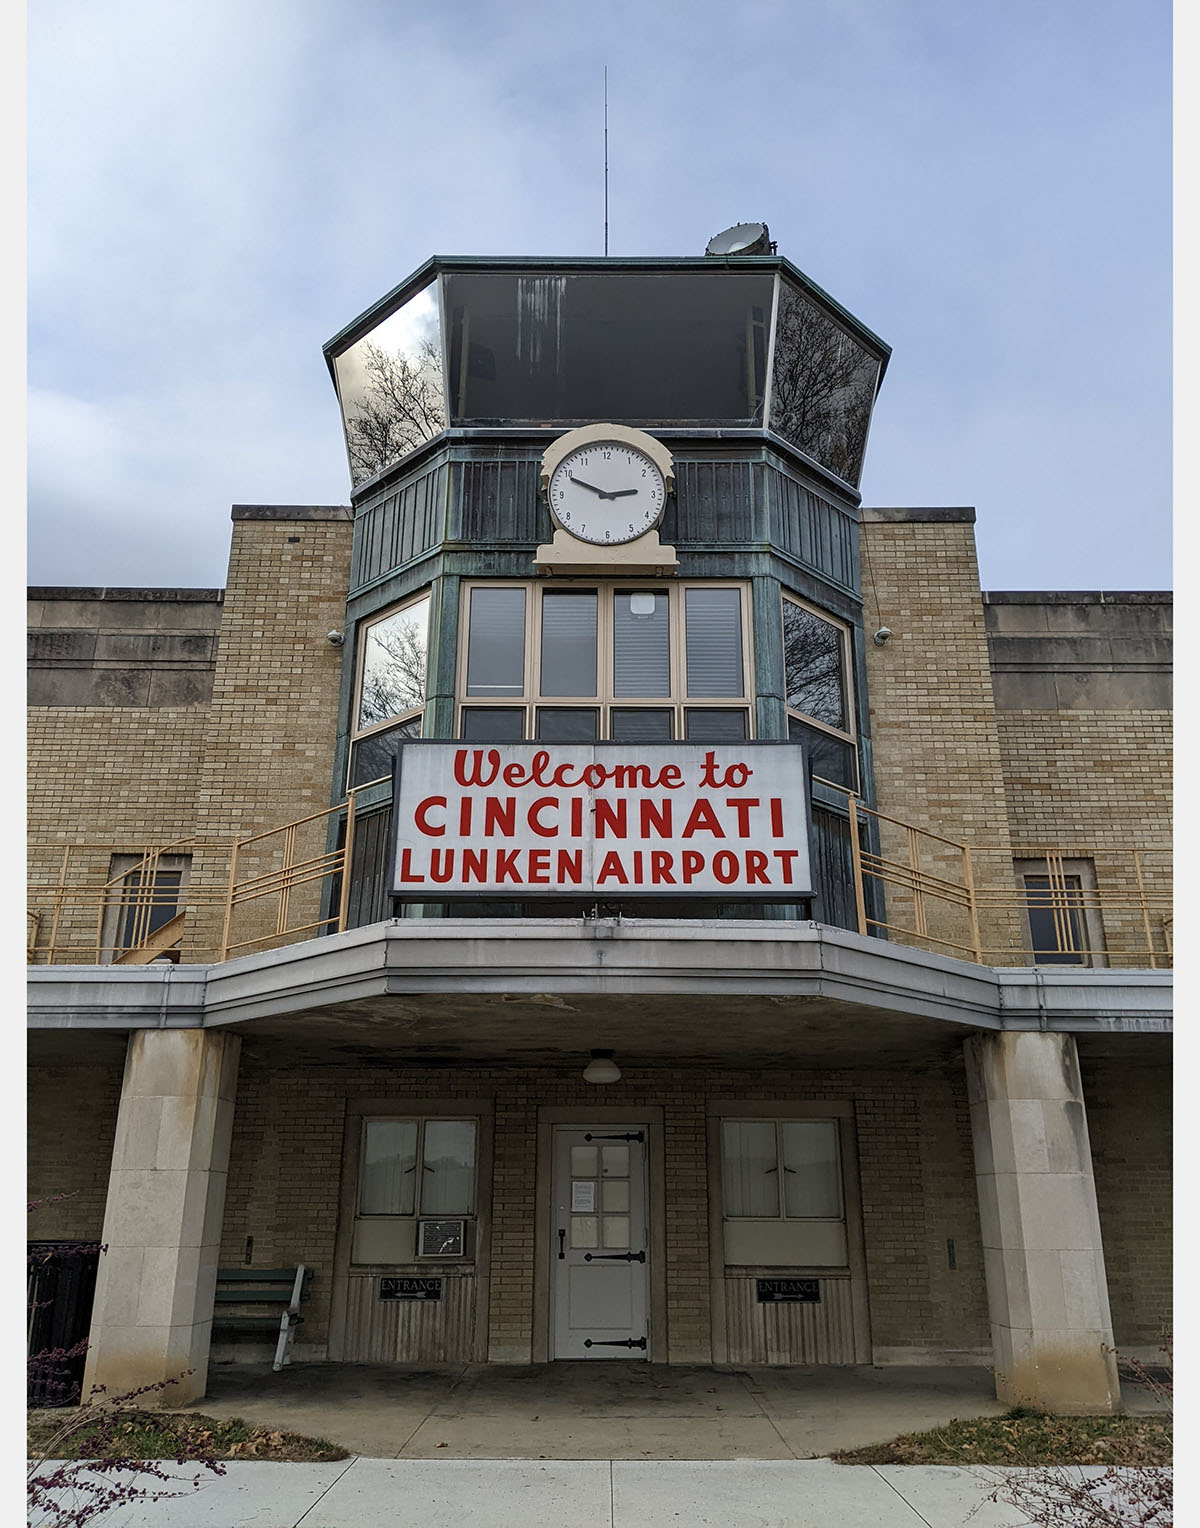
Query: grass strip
x: 1022, y: 1437
x: 166, y: 1435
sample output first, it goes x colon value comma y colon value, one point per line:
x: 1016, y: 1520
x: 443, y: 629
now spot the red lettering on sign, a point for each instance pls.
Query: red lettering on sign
x: 474, y: 865
x: 742, y: 805
x: 535, y: 820
x: 776, y: 817
x: 405, y: 874
x: 693, y: 863
x: 499, y: 812
x: 610, y: 814
x: 660, y: 868
x: 702, y: 816
x: 506, y: 866
x: 725, y: 866
x: 785, y: 858
x: 570, y: 867
x: 441, y: 865
x: 656, y: 815
x: 539, y: 867
x: 476, y: 774
x: 420, y: 817
x: 756, y: 868
x: 612, y: 870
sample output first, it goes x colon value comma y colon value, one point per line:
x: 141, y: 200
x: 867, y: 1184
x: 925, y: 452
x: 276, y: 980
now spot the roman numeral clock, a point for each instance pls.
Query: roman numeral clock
x: 607, y: 487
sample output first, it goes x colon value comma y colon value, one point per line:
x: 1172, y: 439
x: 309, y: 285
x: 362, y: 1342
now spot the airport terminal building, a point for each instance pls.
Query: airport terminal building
x: 606, y: 892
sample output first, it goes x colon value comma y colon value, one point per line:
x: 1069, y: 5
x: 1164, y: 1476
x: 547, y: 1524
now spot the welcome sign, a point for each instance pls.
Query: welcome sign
x: 518, y: 820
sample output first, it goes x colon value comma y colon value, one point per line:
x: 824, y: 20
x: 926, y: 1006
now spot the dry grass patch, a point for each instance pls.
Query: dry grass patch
x: 1027, y: 1438
x: 169, y: 1435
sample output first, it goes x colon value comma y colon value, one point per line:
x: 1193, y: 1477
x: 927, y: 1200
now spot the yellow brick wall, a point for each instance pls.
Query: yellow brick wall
x: 938, y: 763
x: 72, y: 1118
x: 1097, y: 785
x: 915, y: 1166
x: 271, y: 726
x: 1129, y: 1126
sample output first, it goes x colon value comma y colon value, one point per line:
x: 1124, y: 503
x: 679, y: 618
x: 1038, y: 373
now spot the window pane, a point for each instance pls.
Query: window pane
x: 704, y: 726
x: 569, y: 643
x: 150, y: 899
x: 496, y: 642
x: 812, y: 656
x: 641, y: 644
x: 830, y: 757
x: 393, y: 673
x: 630, y: 724
x: 751, y: 1168
x: 448, y: 1167
x: 1055, y: 926
x: 714, y: 641
x: 389, y: 1169
x: 493, y: 724
x: 373, y: 755
x: 567, y: 724
x: 811, y: 1175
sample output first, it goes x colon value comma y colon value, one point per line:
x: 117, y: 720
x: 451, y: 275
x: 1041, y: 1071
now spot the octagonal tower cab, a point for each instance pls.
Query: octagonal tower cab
x: 478, y: 614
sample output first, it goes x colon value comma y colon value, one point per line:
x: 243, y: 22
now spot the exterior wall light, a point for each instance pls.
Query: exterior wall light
x: 336, y: 638
x: 602, y: 1068
x: 882, y: 637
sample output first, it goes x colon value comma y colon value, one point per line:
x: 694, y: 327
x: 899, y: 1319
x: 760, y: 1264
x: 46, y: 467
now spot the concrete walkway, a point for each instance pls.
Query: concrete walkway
x: 509, y: 1493
x: 612, y: 1410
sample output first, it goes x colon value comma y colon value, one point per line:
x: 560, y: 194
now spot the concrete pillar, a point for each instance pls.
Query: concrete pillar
x: 1047, y: 1292
x: 152, y: 1317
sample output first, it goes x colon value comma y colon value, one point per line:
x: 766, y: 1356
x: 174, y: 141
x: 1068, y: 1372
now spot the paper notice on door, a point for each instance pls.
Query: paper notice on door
x: 583, y: 1198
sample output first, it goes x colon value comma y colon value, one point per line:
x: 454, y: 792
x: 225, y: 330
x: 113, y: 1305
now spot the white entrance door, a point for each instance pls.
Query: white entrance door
x: 599, y: 1244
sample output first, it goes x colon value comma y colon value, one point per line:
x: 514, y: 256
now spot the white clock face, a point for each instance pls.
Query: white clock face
x: 607, y: 492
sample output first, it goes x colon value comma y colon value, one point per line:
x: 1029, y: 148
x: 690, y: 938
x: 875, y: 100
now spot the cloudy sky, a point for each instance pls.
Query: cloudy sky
x: 217, y: 186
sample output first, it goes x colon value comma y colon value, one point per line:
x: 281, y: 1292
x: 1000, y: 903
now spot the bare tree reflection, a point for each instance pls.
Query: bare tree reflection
x: 823, y: 386
x: 394, y: 665
x: 402, y: 405
x: 812, y: 656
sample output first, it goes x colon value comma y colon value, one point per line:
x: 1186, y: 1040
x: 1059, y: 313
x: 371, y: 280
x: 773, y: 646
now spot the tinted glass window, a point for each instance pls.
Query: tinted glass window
x: 493, y: 724
x: 714, y: 642
x: 823, y: 385
x: 641, y: 644
x: 813, y: 655
x: 569, y: 642
x: 567, y: 724
x: 640, y: 724
x: 496, y: 643
x: 393, y: 664
x: 391, y: 388
x: 631, y: 348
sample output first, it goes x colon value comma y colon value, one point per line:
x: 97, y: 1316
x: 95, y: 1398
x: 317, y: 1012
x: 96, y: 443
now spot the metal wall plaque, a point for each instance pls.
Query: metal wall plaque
x: 804, y: 1291
x: 410, y: 1289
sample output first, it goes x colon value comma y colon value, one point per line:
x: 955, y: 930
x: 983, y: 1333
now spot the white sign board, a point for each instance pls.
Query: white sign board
x: 518, y: 820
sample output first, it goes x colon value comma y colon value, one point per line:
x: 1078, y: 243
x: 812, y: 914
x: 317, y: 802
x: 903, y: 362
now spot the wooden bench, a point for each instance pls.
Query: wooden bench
x: 284, y: 1287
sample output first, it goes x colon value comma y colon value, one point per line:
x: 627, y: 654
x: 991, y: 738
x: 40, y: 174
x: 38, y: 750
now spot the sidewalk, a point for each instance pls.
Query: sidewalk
x: 518, y: 1493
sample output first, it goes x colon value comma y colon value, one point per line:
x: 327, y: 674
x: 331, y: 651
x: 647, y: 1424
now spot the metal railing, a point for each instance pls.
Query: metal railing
x: 282, y: 885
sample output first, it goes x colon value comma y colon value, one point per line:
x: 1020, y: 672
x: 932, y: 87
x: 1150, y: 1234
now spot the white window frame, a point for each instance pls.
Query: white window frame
x: 678, y: 702
x: 417, y: 1214
x: 778, y: 1121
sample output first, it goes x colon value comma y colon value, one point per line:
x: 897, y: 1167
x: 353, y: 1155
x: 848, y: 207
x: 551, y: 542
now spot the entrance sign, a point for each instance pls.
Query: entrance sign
x: 803, y: 1291
x: 668, y: 820
x: 410, y: 1289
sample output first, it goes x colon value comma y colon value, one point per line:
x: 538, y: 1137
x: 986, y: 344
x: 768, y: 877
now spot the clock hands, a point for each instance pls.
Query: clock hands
x: 620, y: 493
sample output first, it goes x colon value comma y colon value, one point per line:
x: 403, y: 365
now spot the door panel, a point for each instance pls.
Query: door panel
x: 599, y: 1243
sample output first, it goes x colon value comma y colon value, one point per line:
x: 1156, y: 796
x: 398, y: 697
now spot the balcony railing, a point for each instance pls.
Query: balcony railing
x: 996, y: 906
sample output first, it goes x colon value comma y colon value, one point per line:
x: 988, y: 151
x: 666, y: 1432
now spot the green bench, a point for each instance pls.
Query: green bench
x: 283, y: 1288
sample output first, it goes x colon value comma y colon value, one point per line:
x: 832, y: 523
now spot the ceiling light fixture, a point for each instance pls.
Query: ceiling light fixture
x: 602, y: 1068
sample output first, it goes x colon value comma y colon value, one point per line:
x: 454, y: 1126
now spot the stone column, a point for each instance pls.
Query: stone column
x: 1047, y: 1292
x: 152, y: 1317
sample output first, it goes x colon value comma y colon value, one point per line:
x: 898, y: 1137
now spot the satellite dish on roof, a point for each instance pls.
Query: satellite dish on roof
x: 742, y: 239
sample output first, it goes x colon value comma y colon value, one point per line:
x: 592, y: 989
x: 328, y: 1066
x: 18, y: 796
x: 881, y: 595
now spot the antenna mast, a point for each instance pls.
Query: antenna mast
x: 606, y: 159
